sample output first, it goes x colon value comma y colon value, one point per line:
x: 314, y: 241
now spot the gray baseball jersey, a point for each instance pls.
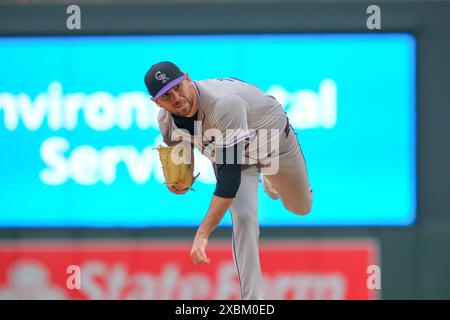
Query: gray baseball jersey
x: 240, y: 111
x: 231, y: 110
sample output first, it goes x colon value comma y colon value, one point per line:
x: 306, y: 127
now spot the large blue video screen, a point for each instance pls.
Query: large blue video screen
x: 78, y: 129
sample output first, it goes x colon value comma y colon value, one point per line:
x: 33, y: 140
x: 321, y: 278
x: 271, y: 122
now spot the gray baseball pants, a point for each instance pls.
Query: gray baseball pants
x: 292, y: 185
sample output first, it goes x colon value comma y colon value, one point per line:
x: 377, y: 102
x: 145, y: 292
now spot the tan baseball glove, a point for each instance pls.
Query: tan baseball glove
x: 177, y: 168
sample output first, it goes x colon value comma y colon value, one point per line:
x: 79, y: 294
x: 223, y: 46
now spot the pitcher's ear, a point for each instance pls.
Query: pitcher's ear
x: 156, y: 102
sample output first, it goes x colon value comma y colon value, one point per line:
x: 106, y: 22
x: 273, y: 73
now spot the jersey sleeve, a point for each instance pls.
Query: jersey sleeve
x: 165, y: 127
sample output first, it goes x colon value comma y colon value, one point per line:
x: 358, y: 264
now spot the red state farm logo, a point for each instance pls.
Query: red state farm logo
x: 297, y: 270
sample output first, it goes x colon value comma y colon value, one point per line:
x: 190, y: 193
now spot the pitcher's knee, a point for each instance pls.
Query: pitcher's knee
x: 246, y: 220
x: 301, y: 210
x: 301, y: 207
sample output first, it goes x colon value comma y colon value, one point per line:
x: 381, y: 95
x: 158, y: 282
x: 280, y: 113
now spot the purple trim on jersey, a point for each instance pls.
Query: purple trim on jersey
x: 196, y: 87
x: 169, y: 86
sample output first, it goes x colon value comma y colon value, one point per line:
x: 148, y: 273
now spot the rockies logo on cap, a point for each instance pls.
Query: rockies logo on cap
x: 161, y: 77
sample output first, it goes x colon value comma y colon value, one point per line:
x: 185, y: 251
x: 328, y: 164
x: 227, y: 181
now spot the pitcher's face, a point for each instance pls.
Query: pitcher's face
x: 180, y: 100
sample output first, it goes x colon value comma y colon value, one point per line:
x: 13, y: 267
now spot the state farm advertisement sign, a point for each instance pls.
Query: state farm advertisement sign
x: 163, y: 270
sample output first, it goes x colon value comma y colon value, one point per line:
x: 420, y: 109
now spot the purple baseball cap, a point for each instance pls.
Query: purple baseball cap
x: 162, y: 77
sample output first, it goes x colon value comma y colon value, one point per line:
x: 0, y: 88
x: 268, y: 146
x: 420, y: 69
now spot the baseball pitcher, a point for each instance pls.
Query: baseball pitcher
x: 246, y: 134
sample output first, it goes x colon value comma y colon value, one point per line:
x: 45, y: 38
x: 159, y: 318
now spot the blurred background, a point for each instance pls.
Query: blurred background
x: 84, y: 213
